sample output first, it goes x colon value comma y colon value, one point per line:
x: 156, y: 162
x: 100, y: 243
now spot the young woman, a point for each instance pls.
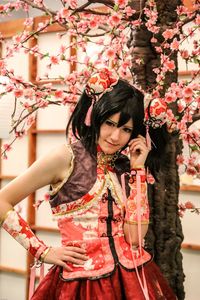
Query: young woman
x: 99, y: 197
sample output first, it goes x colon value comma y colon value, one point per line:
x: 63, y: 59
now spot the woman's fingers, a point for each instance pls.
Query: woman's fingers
x: 64, y: 265
x: 75, y: 255
x: 76, y: 249
x: 138, y: 138
x: 138, y: 145
x: 73, y: 260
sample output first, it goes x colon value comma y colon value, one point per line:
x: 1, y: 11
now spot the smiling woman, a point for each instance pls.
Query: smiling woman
x: 112, y: 137
x: 102, y: 219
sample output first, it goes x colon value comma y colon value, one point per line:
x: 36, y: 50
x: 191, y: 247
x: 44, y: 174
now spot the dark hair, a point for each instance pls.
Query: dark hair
x: 127, y: 100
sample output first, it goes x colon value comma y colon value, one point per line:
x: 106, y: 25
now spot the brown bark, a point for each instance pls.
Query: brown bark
x: 165, y: 235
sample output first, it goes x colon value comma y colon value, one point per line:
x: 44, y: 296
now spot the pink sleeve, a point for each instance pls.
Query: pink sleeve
x: 19, y: 229
x: 137, y: 205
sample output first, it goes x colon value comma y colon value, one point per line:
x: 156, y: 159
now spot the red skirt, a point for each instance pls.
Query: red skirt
x: 121, y: 285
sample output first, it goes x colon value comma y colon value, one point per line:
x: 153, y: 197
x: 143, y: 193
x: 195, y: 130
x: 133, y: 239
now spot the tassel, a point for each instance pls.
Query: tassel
x: 88, y: 115
x: 148, y: 139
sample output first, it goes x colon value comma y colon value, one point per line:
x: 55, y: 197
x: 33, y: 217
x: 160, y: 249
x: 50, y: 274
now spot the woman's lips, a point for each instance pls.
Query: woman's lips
x: 111, y: 144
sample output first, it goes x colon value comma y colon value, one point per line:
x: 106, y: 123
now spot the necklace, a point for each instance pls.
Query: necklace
x: 106, y: 161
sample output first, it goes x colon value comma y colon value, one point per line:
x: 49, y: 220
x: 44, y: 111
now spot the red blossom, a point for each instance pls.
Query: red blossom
x: 168, y: 34
x: 180, y: 159
x: 114, y: 20
x: 18, y: 93
x: 184, y: 54
x: 58, y: 93
x: 54, y: 60
x: 169, y: 65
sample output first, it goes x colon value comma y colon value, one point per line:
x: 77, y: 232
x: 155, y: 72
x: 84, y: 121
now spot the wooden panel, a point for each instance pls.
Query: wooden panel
x: 189, y: 3
x: 190, y: 188
x: 12, y: 270
x: 10, y: 28
x: 190, y: 247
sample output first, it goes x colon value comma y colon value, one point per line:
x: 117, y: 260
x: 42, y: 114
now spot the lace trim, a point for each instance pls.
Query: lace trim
x: 57, y: 187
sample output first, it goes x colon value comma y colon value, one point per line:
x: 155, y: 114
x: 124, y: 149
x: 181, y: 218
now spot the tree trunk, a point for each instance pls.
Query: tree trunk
x: 165, y: 235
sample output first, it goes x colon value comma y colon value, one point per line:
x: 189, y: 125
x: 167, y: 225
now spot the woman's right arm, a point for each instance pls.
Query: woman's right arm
x: 49, y: 169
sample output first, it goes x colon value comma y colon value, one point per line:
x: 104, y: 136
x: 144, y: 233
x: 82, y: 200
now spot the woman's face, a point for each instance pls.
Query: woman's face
x: 113, y: 138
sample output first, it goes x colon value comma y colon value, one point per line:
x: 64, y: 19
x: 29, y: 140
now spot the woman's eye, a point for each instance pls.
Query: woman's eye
x: 109, y: 123
x: 127, y: 130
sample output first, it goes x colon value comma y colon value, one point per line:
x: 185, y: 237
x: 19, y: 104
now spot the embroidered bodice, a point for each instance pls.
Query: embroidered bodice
x: 90, y: 211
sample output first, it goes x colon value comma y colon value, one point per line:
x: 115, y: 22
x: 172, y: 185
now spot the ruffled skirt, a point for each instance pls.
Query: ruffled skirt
x: 121, y: 285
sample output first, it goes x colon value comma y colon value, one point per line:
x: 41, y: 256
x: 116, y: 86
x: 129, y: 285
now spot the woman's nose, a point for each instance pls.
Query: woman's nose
x: 115, y: 135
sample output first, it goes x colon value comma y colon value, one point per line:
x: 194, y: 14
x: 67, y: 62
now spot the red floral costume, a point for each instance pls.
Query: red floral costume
x: 89, y: 208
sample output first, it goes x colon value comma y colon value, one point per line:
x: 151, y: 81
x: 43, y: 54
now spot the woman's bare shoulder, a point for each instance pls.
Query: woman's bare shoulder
x: 60, y: 159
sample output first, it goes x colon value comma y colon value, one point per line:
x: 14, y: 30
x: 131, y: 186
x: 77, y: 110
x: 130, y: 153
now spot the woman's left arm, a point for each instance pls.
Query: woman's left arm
x: 135, y: 210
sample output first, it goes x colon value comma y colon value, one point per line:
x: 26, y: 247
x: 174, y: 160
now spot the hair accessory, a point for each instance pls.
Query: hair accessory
x: 99, y: 83
x: 156, y: 113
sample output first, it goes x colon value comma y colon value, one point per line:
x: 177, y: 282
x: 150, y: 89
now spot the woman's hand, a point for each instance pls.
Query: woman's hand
x: 62, y: 255
x: 138, y: 151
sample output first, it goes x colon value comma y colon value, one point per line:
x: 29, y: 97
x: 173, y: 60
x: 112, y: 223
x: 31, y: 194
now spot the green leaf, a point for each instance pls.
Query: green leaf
x: 116, y: 7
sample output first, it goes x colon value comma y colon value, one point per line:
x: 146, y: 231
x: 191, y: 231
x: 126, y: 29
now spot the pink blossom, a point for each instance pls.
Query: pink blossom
x: 28, y: 22
x: 54, y: 60
x: 9, y: 88
x: 153, y: 40
x: 19, y: 134
x: 28, y: 93
x: 197, y: 20
x: 196, y: 44
x: 189, y: 205
x: 174, y: 44
x: 180, y: 159
x: 158, y: 49
x: 169, y: 65
x: 181, y: 106
x: 121, y: 3
x: 110, y: 53
x: 2, y: 8
x: 2, y: 64
x: 188, y: 92
x: 30, y: 120
x: 62, y: 49
x: 170, y: 97
x: 58, y: 93
x: 38, y: 3
x: 168, y: 34
x: 73, y: 4
x: 42, y: 103
x: 191, y: 171
x: 26, y: 105
x: 18, y: 93
x: 64, y: 12
x: 93, y: 23
x: 136, y: 23
x: 6, y: 147
x: 126, y: 64
x: 114, y: 19
x: 129, y: 11
x: 182, y: 10
x: 184, y: 54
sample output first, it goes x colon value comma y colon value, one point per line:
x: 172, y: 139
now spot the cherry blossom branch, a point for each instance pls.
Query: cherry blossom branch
x: 40, y: 7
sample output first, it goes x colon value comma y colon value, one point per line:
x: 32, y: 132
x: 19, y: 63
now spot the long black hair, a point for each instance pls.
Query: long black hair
x: 129, y: 102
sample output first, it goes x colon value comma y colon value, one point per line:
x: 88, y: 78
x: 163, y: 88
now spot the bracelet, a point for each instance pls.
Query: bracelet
x: 145, y: 222
x: 44, y: 254
x: 138, y: 167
